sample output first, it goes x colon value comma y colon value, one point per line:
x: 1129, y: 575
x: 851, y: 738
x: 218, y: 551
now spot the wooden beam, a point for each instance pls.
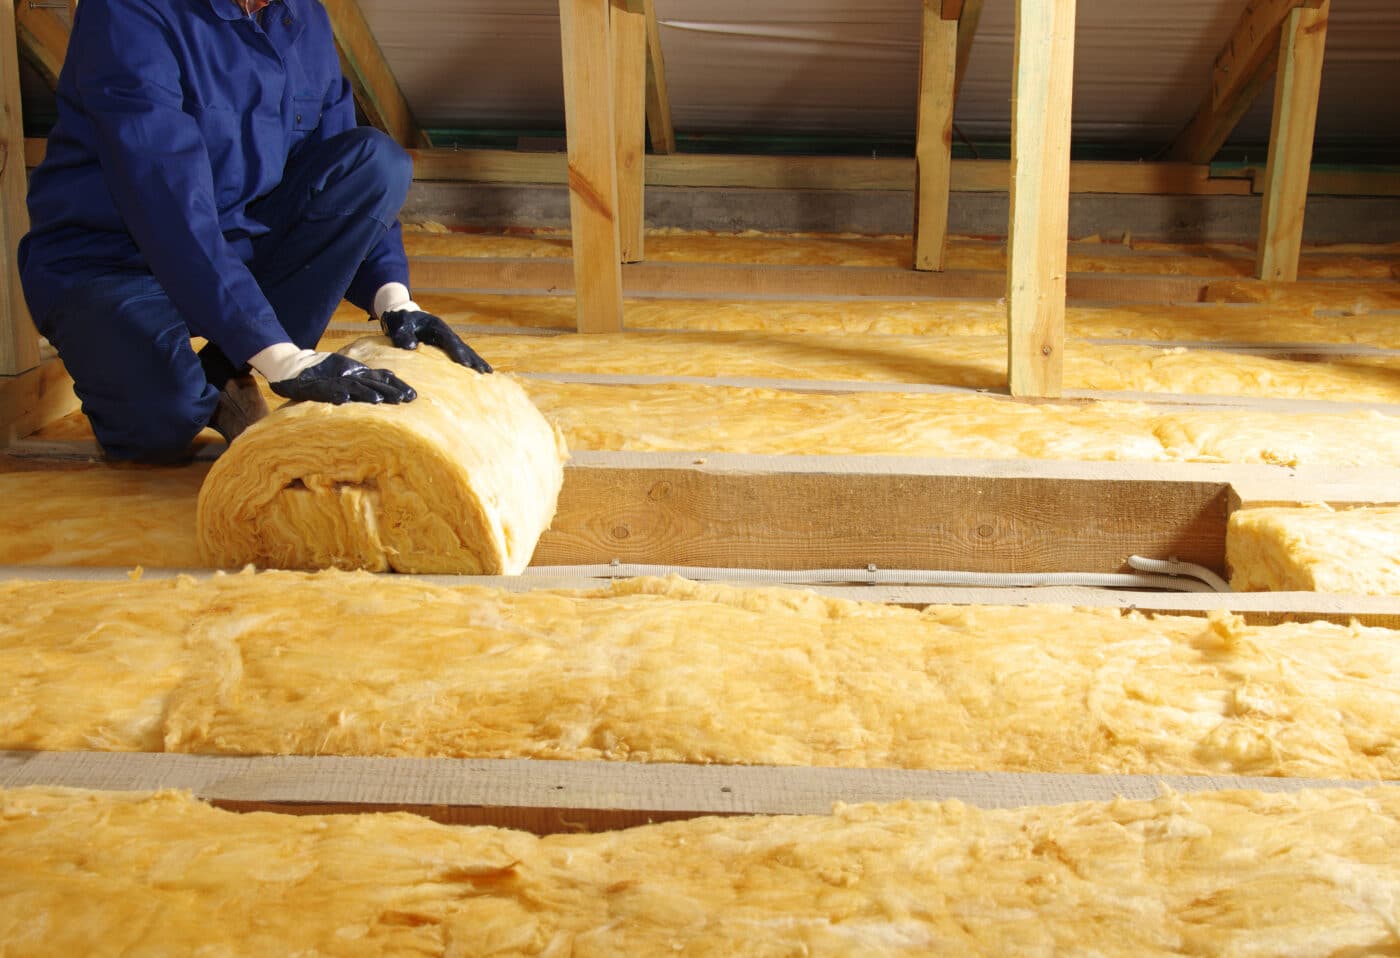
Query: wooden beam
x: 1038, y: 235
x: 551, y: 797
x: 43, y: 39
x: 590, y: 117
x: 1241, y: 70
x: 376, y: 90
x: 663, y: 131
x: 1300, y: 57
x: 19, y: 341
x: 826, y: 173
x: 970, y: 14
x: 1328, y: 181
x: 933, y: 151
x: 629, y: 38
x: 33, y: 399
x: 804, y: 512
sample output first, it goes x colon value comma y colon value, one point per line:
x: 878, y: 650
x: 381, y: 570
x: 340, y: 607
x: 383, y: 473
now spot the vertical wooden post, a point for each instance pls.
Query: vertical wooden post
x: 1301, y: 48
x: 933, y: 151
x: 19, y: 342
x: 629, y: 37
x: 1039, y: 229
x: 589, y: 118
x: 663, y: 133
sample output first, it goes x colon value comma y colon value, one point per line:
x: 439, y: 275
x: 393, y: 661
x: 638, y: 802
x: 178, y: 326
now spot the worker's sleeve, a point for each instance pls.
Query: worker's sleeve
x: 158, y: 171
x: 386, y: 263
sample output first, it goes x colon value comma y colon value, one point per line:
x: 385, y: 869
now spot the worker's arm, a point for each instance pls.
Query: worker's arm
x: 380, y: 287
x: 386, y: 263
x: 158, y: 171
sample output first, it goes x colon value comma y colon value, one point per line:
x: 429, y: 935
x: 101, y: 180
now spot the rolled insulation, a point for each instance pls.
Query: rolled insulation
x: 463, y: 480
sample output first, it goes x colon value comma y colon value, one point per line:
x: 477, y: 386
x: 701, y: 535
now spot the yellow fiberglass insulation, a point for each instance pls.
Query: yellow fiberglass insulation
x: 1315, y: 549
x: 674, y: 671
x: 1230, y: 874
x: 464, y: 479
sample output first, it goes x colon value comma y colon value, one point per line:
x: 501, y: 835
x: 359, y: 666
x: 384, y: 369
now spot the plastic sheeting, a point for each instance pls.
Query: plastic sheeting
x: 841, y: 67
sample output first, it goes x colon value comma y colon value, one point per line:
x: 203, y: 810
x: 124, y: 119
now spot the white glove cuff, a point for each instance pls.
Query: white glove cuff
x: 284, y: 361
x: 391, y: 297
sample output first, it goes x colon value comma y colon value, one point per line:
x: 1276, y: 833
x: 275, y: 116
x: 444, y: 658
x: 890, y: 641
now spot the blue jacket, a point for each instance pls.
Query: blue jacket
x: 174, y: 115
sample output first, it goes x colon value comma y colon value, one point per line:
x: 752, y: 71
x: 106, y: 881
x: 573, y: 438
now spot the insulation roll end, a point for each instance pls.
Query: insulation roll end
x: 464, y: 480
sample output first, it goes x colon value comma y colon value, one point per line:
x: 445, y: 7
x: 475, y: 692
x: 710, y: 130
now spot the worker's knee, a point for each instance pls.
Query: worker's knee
x: 140, y: 383
x: 380, y: 169
x: 159, y: 437
x: 151, y: 419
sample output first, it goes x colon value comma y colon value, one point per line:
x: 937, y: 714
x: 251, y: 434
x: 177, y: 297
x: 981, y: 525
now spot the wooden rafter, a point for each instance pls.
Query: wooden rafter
x: 1241, y: 70
x: 590, y: 118
x: 663, y: 133
x: 19, y: 342
x: 376, y: 91
x: 629, y: 40
x: 1291, y: 141
x: 933, y: 153
x: 1038, y: 235
x: 43, y: 39
x: 969, y: 14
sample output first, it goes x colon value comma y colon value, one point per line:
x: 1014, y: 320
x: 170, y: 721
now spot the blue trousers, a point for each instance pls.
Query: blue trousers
x: 128, y: 348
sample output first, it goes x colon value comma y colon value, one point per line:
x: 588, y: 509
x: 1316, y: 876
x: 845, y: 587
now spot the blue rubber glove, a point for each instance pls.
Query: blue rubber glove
x: 406, y: 328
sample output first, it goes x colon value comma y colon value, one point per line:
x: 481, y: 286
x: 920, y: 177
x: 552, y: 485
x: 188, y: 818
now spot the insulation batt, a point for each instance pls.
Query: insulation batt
x: 462, y: 480
x: 1315, y: 549
x: 896, y: 252
x: 673, y: 671
x: 1234, y: 874
x: 1293, y: 322
x: 977, y: 362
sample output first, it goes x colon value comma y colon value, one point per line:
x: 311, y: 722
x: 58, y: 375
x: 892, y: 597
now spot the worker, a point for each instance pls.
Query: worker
x: 206, y: 178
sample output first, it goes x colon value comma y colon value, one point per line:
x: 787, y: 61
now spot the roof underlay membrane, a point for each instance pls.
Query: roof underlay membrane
x: 841, y: 68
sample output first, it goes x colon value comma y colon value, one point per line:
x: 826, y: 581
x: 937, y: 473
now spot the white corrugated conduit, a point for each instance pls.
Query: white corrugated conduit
x: 1166, y: 574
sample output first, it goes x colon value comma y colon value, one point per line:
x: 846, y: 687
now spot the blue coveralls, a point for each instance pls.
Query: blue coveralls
x: 205, y: 177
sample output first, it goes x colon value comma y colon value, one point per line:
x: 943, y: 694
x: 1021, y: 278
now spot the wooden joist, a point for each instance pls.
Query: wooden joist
x: 1038, y: 234
x: 590, y: 115
x: 663, y: 131
x: 804, y: 512
x: 19, y: 341
x: 362, y: 61
x: 1300, y: 55
x: 550, y: 797
x: 933, y: 152
x: 629, y: 48
x: 1241, y: 70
